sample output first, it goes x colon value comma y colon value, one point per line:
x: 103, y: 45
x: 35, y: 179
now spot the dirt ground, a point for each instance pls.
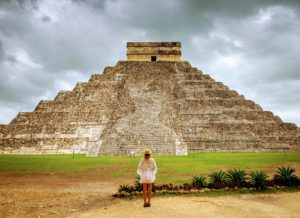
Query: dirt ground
x: 65, y: 196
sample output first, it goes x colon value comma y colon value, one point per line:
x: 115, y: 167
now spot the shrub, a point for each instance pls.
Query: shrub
x: 218, y: 177
x: 153, y: 187
x: 216, y: 185
x: 236, y: 176
x: 137, y: 185
x: 187, y: 186
x: 159, y: 187
x: 170, y: 186
x: 230, y: 179
x: 259, y: 179
x: 286, y: 176
x: 165, y: 187
x: 247, y: 184
x: 124, y: 188
x: 217, y: 180
x: 199, y: 181
x: 270, y: 183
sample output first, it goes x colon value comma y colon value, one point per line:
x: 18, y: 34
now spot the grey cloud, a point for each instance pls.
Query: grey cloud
x: 46, y: 19
x: 1, y: 51
x: 50, y: 45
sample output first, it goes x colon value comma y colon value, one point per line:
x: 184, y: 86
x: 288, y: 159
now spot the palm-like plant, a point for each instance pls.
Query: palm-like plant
x: 124, y: 188
x: 259, y: 179
x: 153, y: 187
x: 199, y: 181
x: 137, y: 185
x: 286, y: 176
x: 218, y: 176
x: 217, y: 180
x: 236, y: 176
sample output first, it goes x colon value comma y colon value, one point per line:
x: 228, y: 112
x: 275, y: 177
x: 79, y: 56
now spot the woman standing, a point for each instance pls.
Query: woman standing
x: 147, y: 170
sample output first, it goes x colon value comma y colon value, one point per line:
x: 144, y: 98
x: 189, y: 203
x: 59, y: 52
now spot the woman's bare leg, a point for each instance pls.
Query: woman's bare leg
x: 145, y: 192
x: 149, y: 192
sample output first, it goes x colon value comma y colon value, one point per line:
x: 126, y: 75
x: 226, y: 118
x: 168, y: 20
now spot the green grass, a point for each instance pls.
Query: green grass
x: 174, y: 169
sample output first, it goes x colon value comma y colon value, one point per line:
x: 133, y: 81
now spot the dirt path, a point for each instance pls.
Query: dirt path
x: 52, y: 195
x: 87, y: 196
x: 270, y: 205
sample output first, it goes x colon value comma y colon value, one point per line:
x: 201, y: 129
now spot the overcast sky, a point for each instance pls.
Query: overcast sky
x: 253, y: 46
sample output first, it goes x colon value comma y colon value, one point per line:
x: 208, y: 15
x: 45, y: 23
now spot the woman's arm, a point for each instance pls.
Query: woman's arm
x: 139, y: 169
x: 154, y: 166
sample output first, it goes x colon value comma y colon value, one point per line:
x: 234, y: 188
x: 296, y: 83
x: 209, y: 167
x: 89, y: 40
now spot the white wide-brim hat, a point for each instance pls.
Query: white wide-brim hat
x: 147, y: 151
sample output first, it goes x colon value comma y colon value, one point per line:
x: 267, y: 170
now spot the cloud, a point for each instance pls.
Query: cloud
x: 252, y: 46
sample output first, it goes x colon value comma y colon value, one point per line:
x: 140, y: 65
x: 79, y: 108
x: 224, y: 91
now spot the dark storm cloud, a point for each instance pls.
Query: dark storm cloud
x: 252, y: 46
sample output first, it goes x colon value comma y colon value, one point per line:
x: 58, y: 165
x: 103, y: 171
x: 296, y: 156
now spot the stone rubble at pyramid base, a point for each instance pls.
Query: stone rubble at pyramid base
x: 170, y: 107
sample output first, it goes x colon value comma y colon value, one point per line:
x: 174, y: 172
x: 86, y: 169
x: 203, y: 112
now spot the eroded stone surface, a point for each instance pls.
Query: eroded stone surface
x: 170, y: 107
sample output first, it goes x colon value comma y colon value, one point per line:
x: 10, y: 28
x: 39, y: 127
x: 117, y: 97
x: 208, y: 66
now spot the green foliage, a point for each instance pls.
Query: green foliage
x: 286, y: 176
x: 236, y: 176
x: 199, y: 181
x: 153, y: 187
x: 217, y: 180
x: 137, y: 185
x: 230, y: 180
x: 124, y: 188
x: 218, y: 177
x: 259, y: 179
x: 187, y: 186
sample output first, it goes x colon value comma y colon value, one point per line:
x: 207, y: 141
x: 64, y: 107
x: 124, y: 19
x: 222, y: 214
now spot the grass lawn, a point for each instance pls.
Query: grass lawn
x: 171, y: 169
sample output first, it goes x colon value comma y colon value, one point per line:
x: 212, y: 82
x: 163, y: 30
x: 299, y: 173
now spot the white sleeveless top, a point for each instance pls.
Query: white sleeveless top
x: 147, y: 170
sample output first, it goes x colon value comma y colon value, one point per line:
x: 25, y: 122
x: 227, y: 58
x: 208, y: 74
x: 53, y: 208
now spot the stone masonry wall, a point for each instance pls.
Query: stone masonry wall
x: 163, y: 51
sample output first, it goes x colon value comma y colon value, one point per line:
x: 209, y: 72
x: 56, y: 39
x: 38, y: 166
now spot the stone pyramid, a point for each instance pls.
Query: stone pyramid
x: 151, y: 100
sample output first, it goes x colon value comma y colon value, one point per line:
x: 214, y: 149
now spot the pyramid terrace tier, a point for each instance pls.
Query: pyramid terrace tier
x: 51, y: 130
x: 78, y: 116
x: 209, y: 94
x: 233, y: 116
x: 43, y: 146
x: 234, y: 146
x: 257, y: 128
x: 69, y: 106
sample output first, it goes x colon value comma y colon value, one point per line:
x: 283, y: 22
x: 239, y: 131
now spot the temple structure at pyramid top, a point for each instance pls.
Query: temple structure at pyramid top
x: 153, y: 51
